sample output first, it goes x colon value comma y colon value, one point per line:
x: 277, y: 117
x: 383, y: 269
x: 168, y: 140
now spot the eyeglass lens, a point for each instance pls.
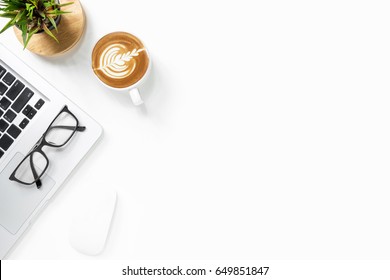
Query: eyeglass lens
x: 61, y: 130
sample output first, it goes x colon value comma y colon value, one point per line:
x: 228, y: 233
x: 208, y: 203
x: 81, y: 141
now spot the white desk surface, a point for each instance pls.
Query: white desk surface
x: 265, y: 132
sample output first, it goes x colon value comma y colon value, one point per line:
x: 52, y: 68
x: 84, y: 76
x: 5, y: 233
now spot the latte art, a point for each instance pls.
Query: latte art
x: 120, y: 60
x: 116, y: 63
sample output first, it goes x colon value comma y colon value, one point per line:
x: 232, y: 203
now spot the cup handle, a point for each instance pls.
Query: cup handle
x: 136, y: 97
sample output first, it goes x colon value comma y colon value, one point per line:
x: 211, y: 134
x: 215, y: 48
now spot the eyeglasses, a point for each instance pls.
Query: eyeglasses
x: 31, y: 169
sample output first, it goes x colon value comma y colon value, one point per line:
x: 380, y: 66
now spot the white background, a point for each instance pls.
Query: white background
x: 265, y: 132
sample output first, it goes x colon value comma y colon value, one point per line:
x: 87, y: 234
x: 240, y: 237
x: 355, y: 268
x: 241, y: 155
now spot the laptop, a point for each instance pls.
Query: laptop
x: 43, y: 136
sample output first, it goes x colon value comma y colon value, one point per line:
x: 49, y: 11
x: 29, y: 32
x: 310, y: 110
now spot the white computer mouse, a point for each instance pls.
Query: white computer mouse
x: 91, y: 226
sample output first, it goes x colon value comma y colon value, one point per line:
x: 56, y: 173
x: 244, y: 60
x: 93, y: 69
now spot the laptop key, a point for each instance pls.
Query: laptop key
x: 4, y: 103
x: 32, y: 113
x: 14, y: 131
x: 14, y: 91
x: 22, y: 100
x: 9, y: 116
x: 39, y: 104
x: 1, y: 112
x: 3, y: 125
x: 9, y: 78
x: 24, y: 123
x: 27, y: 110
x: 6, y: 142
x: 2, y: 71
x: 3, y: 88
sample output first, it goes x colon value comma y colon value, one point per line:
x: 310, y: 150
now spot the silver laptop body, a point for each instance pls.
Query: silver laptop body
x: 28, y: 105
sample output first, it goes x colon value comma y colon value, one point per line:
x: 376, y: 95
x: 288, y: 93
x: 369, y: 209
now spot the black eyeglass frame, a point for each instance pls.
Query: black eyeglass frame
x: 38, y: 148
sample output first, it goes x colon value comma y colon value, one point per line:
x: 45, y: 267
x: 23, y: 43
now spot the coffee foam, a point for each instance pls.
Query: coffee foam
x: 115, y: 62
x: 120, y: 60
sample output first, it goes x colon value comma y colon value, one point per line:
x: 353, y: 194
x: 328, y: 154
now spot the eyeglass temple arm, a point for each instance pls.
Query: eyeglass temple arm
x: 38, y: 181
x: 79, y: 128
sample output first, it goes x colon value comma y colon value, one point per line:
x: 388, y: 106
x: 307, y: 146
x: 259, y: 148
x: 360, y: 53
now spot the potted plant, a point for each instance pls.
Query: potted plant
x: 32, y: 16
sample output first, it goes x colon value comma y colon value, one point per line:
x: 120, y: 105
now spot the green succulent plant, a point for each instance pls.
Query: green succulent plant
x: 32, y: 16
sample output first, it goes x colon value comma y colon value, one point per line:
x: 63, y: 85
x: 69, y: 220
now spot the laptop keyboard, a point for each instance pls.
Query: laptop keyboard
x: 14, y: 101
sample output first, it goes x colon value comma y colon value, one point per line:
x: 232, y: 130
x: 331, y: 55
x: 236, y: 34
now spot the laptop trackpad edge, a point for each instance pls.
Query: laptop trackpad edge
x: 17, y: 201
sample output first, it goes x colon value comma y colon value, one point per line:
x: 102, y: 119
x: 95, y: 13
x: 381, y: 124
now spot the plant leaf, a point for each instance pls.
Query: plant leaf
x: 53, y: 22
x: 19, y: 16
x: 8, y: 25
x: 8, y: 15
x: 48, y: 32
x: 58, y: 12
x: 13, y: 21
x: 24, y: 34
x: 42, y: 14
x: 30, y: 34
x: 66, y: 4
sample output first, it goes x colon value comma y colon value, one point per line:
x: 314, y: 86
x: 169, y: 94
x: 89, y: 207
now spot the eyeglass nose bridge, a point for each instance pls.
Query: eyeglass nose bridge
x: 39, y: 142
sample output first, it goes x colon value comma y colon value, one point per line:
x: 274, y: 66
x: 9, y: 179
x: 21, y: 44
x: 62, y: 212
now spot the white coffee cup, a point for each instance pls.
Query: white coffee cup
x: 132, y: 89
